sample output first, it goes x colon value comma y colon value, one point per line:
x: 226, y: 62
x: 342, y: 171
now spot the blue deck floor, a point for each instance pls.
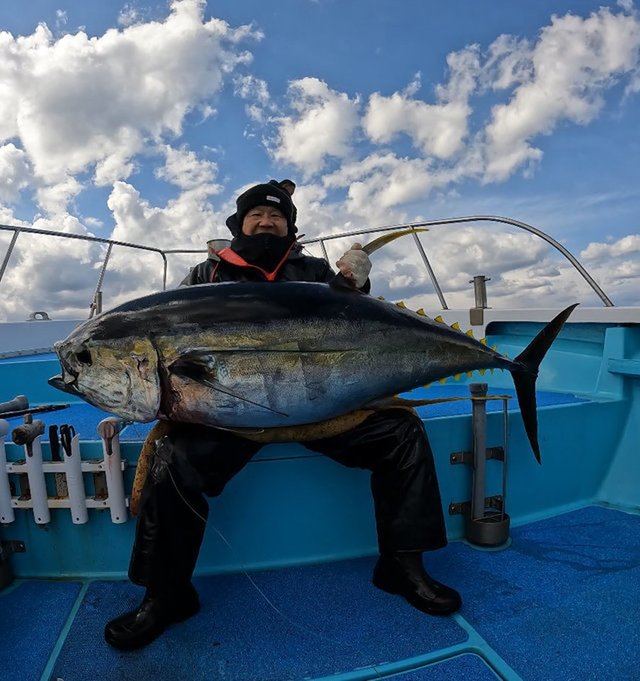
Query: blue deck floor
x: 562, y: 602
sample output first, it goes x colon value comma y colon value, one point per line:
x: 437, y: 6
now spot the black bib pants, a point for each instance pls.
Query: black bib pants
x: 193, y: 461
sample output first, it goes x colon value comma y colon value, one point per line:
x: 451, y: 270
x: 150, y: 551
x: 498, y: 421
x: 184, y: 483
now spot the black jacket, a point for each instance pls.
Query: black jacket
x: 297, y: 267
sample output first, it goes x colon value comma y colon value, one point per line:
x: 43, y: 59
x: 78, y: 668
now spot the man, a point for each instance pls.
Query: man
x: 193, y: 461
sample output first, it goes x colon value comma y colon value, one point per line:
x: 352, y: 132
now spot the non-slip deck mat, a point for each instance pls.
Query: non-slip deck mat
x: 32, y: 615
x: 332, y: 620
x: 467, y: 667
x: 563, y: 602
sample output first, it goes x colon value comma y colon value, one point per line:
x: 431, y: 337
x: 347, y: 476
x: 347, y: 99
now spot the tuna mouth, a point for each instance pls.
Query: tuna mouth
x: 62, y: 383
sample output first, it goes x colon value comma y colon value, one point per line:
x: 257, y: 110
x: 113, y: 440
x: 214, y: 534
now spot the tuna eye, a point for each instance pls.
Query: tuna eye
x: 84, y: 356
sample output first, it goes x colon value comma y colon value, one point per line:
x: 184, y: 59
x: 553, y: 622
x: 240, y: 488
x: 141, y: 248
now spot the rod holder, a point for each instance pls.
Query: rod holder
x: 486, y: 522
x: 75, y: 483
x: 480, y: 290
x: 6, y: 510
x: 109, y: 431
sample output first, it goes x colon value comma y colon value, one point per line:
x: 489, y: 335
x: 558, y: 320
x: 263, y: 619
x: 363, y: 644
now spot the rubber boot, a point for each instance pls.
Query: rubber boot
x: 143, y: 625
x: 169, y: 533
x: 403, y: 573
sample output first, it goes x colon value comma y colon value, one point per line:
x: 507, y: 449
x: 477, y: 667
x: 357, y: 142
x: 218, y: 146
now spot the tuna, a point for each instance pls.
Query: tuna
x: 273, y: 355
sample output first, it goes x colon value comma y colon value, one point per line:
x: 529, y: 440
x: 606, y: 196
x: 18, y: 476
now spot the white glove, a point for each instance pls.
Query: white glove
x: 355, y: 266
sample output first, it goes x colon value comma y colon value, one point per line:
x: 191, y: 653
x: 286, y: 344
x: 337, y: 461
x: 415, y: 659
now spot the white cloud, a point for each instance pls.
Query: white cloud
x: 93, y: 103
x: 436, y: 129
x: 322, y: 126
x: 61, y: 279
x: 15, y: 173
x: 570, y: 67
x: 188, y: 221
x: 128, y: 15
x: 55, y: 198
x: 250, y: 87
x: 626, y: 246
x: 61, y: 18
x: 256, y: 92
x: 184, y: 169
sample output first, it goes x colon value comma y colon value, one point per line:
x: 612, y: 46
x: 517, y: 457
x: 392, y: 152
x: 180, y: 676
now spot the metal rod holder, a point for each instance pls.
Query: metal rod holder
x: 480, y: 291
x: 486, y: 522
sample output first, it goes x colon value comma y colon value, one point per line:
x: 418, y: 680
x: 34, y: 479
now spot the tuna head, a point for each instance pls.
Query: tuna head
x: 117, y: 375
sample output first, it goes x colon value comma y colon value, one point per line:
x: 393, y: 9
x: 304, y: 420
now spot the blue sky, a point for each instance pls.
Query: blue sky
x: 143, y: 120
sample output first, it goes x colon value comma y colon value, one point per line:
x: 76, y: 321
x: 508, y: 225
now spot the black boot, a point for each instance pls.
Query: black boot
x: 403, y: 573
x: 139, y: 627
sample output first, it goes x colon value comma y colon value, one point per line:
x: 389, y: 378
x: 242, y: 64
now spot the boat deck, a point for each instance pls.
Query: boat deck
x: 559, y: 603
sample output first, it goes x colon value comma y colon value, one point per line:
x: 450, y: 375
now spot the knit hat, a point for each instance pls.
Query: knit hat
x: 265, y: 195
x: 270, y: 194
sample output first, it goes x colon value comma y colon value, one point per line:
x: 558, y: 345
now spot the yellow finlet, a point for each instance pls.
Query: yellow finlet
x: 469, y: 333
x: 469, y: 374
x: 439, y: 319
x: 483, y: 340
x: 457, y: 377
x: 482, y: 371
x: 442, y: 380
x: 402, y: 305
x: 421, y: 312
x: 455, y: 326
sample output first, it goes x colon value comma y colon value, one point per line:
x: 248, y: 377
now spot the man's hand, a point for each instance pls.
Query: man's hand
x: 355, y: 266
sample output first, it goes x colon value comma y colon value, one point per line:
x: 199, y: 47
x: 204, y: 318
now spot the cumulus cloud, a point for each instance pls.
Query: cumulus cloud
x: 321, y: 126
x: 185, y: 170
x: 15, y: 172
x: 627, y: 246
x: 92, y: 103
x: 435, y: 129
x: 563, y: 77
x: 82, y: 110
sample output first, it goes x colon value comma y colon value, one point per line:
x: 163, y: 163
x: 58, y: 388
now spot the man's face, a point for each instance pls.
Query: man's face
x: 265, y: 220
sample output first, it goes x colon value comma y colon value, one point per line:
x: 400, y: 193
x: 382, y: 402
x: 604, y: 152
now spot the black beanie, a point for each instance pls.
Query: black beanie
x: 265, y: 195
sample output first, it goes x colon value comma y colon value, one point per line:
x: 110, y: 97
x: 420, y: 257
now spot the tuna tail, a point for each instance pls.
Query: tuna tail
x: 526, y: 373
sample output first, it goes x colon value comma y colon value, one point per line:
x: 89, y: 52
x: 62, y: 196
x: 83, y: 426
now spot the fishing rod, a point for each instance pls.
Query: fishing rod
x: 32, y: 410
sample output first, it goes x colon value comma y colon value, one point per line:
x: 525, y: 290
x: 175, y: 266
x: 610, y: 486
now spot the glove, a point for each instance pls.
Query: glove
x: 355, y: 266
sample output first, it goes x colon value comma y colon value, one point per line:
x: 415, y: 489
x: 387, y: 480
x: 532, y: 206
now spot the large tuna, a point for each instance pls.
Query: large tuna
x: 265, y: 355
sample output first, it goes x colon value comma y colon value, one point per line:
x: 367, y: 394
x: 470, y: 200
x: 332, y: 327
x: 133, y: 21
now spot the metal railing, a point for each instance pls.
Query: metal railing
x: 95, y: 305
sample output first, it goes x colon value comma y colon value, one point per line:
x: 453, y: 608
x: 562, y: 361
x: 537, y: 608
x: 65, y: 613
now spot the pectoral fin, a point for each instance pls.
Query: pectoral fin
x: 200, y: 366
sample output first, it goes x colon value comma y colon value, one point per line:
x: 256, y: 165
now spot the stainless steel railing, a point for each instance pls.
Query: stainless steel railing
x: 95, y: 305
